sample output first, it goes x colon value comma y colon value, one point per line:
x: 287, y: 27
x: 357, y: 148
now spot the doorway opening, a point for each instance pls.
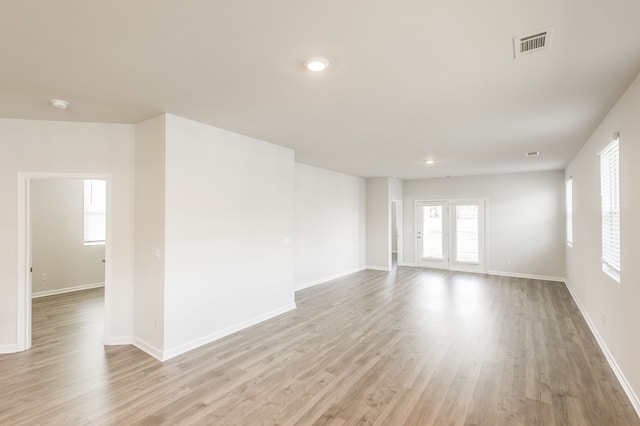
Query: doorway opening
x: 395, y: 219
x: 451, y: 235
x: 63, y: 245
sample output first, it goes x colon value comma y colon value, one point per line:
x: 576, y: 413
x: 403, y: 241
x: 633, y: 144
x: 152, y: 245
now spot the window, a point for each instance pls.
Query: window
x: 467, y: 233
x: 610, y: 195
x: 95, y: 205
x: 432, y: 226
x: 569, y: 211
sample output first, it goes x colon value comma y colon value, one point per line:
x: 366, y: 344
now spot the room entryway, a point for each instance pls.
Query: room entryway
x: 67, y: 248
x: 451, y: 235
x: 63, y: 229
x: 395, y: 224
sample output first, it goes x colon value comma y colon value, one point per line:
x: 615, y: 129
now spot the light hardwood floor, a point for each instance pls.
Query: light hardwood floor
x: 413, y: 346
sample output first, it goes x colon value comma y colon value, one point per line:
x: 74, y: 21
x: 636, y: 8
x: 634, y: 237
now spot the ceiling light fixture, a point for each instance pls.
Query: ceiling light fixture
x: 430, y: 162
x: 59, y: 103
x: 316, y: 64
x: 532, y: 154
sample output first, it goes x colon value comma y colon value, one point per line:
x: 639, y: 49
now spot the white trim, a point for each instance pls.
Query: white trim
x: 24, y: 287
x: 23, y: 282
x: 408, y: 264
x: 186, y: 347
x: 8, y: 349
x: 378, y: 268
x: 500, y: 274
x: 108, y: 258
x: 529, y: 276
x: 66, y: 290
x: 120, y: 340
x: 329, y: 278
x: 148, y: 348
x: 628, y: 390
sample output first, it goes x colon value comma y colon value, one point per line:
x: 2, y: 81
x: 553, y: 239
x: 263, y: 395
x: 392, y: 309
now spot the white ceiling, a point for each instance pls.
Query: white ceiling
x: 409, y: 79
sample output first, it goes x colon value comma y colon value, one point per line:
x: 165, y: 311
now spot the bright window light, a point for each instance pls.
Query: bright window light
x: 610, y: 198
x: 95, y: 209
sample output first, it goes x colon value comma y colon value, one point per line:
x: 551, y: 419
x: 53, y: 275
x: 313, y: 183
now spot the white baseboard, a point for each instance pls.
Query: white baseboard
x: 378, y: 268
x: 148, y: 348
x: 633, y: 398
x: 413, y: 265
x: 120, y: 340
x: 529, y: 276
x: 8, y: 349
x: 329, y: 278
x: 171, y: 353
x: 66, y: 290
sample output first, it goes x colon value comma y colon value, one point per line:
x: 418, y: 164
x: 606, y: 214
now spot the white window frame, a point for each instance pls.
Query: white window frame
x: 95, y: 212
x: 569, y: 210
x: 610, y: 203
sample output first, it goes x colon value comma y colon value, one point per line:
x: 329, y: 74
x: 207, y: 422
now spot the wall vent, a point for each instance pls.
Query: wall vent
x: 532, y: 43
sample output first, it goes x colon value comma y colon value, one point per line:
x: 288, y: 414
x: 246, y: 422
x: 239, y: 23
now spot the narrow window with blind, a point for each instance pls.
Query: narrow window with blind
x: 569, y: 211
x: 610, y: 196
x: 95, y: 206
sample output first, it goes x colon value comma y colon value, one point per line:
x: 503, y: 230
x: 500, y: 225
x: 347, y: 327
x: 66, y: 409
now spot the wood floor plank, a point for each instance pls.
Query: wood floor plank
x: 411, y: 346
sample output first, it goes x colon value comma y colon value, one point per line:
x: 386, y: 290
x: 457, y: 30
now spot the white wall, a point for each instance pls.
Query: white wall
x: 525, y: 218
x: 329, y: 224
x: 229, y: 228
x: 396, y: 189
x: 63, y: 147
x: 378, y: 224
x: 611, y: 307
x: 150, y: 235
x: 57, y: 238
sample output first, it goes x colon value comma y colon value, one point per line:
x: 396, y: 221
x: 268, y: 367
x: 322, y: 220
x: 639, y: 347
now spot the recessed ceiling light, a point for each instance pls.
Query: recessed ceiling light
x: 59, y: 103
x: 532, y: 154
x: 430, y: 162
x: 316, y: 64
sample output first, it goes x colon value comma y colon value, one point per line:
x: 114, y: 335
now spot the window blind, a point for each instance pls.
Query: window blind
x: 94, y: 211
x: 610, y: 195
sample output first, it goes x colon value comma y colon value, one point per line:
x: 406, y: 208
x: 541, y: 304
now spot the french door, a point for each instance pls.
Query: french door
x: 451, y: 235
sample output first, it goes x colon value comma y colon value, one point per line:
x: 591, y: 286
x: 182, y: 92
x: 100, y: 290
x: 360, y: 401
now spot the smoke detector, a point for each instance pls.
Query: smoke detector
x: 532, y: 43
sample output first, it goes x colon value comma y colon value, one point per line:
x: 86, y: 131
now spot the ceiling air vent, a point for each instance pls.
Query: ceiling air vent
x: 532, y: 43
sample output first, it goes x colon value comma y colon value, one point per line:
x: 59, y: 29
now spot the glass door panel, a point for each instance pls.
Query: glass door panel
x: 467, y: 233
x: 433, y: 235
x: 432, y: 232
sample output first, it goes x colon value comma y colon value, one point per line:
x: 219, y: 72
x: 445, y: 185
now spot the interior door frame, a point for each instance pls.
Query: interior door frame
x: 24, y: 290
x: 397, y: 205
x: 455, y: 266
